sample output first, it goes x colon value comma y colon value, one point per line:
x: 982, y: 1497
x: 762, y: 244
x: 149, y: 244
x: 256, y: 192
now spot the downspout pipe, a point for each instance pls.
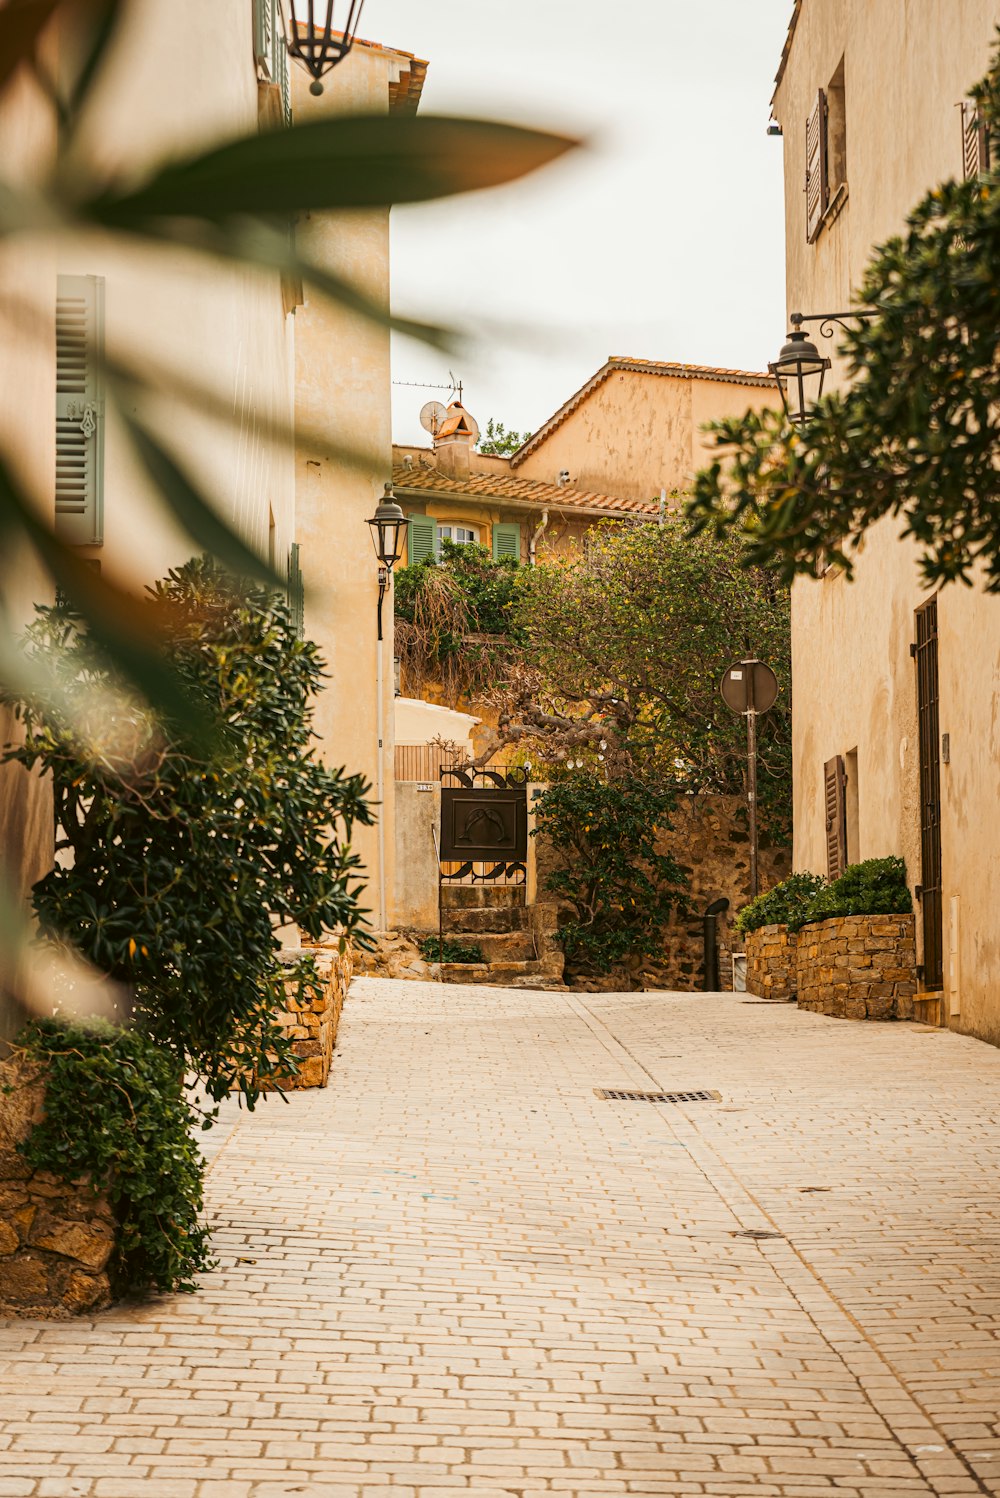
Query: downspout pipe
x: 533, y: 543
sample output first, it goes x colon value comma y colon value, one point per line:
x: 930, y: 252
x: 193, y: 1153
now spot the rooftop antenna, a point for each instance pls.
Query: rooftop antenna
x: 454, y: 388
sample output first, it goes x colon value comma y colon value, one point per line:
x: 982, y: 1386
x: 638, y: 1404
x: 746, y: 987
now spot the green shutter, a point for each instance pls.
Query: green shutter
x: 296, y: 591
x: 80, y: 410
x: 507, y: 541
x: 263, y: 36
x: 421, y: 540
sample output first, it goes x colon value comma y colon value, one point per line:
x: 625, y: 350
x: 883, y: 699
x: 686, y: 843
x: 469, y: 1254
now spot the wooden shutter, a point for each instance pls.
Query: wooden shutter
x: 296, y: 590
x: 79, y: 410
x: 817, y: 177
x: 421, y: 539
x: 507, y: 541
x: 975, y: 140
x: 835, y: 799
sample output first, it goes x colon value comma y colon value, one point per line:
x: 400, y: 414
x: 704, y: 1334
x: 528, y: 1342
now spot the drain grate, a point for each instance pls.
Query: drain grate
x: 755, y: 1233
x: 613, y: 1095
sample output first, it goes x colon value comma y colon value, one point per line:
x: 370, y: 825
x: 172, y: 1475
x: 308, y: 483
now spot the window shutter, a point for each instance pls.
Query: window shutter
x: 80, y: 410
x: 296, y: 590
x: 817, y: 179
x: 263, y: 36
x: 834, y: 784
x: 421, y: 540
x: 975, y: 140
x: 507, y: 541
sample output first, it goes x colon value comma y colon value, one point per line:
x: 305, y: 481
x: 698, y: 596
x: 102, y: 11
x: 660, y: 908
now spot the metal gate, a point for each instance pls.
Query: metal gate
x: 925, y: 652
x: 484, y: 826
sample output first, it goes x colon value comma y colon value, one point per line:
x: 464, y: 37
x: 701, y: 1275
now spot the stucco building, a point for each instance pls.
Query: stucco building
x: 238, y: 361
x: 896, y: 743
x: 624, y: 445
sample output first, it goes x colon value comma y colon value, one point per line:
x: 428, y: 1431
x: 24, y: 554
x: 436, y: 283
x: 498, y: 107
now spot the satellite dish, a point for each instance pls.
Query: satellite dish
x: 473, y: 427
x: 431, y: 417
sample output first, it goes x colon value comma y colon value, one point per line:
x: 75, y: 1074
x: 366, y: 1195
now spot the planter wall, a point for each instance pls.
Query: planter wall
x: 859, y: 967
x: 56, y: 1239
x: 772, y: 962
x: 313, y: 1019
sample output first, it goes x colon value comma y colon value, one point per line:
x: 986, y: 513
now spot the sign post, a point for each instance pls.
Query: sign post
x: 749, y: 687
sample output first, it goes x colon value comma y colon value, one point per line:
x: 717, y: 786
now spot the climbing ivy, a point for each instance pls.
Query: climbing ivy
x: 116, y: 1112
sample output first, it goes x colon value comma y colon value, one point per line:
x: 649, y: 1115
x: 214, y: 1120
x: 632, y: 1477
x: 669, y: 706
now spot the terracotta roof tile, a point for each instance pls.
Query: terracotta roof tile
x: 638, y: 366
x: 504, y: 489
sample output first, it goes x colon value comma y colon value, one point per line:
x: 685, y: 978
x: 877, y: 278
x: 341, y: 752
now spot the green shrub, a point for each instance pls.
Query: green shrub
x: 450, y: 951
x: 620, y: 890
x: 876, y: 887
x: 116, y: 1111
x: 782, y: 905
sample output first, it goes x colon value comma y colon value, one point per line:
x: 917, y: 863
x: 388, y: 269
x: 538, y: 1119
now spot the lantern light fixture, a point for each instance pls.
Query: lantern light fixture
x: 320, y: 47
x: 800, y: 369
x: 387, y: 527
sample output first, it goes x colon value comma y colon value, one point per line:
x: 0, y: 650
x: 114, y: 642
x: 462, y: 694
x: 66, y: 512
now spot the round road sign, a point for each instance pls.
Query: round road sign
x: 749, y: 686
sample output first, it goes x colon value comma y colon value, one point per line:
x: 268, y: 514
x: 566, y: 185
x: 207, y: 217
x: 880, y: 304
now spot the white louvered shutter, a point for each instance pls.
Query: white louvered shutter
x: 817, y: 179
x: 80, y: 410
x: 975, y: 140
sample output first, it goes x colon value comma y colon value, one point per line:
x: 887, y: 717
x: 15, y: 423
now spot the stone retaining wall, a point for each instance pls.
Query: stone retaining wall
x: 56, y: 1238
x: 859, y: 967
x: 311, y: 1016
x: 771, y: 962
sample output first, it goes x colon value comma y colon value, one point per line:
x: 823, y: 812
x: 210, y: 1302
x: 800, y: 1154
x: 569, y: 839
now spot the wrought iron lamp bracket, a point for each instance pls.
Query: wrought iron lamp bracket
x: 827, y: 320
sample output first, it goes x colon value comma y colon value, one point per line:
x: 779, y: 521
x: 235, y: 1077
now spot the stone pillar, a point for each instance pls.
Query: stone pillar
x: 771, y: 962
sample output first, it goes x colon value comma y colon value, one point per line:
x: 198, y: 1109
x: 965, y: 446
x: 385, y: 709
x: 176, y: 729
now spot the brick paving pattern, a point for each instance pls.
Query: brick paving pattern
x: 459, y: 1270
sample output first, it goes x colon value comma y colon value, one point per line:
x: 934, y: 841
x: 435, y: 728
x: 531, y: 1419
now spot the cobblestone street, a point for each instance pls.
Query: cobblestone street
x: 460, y: 1269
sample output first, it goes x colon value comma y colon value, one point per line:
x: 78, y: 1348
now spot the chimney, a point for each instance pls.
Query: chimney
x: 454, y: 440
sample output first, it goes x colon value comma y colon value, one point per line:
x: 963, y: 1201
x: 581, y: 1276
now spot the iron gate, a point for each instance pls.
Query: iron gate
x: 925, y: 652
x: 484, y: 826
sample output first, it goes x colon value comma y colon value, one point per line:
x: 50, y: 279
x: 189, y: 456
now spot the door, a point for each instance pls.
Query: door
x: 926, y: 654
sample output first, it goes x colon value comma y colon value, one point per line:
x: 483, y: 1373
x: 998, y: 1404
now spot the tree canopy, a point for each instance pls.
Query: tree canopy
x: 623, y: 652
x: 915, y: 434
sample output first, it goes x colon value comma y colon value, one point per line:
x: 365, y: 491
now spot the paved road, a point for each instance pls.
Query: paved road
x: 459, y: 1269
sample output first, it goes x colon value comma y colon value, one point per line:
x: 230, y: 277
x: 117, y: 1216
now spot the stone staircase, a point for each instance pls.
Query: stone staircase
x: 517, y: 939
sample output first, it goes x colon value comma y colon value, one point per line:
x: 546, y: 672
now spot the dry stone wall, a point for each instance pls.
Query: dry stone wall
x: 311, y: 1016
x: 771, y: 962
x: 859, y: 967
x: 56, y: 1238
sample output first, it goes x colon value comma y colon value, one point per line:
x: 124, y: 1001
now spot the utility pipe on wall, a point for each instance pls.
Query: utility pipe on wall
x: 383, y: 588
x: 533, y: 543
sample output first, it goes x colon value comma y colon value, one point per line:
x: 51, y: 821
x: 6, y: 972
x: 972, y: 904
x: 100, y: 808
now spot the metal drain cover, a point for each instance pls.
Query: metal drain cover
x: 614, y: 1095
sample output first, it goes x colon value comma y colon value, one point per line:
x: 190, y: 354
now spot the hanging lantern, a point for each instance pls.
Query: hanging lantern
x: 320, y: 48
x: 799, y: 372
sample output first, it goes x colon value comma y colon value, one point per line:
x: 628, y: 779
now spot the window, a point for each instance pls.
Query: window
x: 975, y: 140
x: 826, y: 152
x: 462, y: 535
x: 835, y: 805
x: 80, y: 410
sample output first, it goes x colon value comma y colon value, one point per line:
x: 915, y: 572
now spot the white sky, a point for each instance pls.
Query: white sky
x: 664, y: 239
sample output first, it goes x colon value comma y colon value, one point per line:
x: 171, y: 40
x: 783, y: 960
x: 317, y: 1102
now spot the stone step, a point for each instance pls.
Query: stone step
x: 482, y: 896
x: 494, y: 974
x: 488, y: 920
x: 505, y: 946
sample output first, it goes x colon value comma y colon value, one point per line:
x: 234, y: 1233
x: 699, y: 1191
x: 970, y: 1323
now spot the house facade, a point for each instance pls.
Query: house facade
x: 897, y: 685
x: 238, y: 363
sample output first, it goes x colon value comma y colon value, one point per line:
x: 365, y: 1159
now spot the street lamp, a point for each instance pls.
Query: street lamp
x: 320, y: 48
x: 387, y: 526
x: 800, y: 368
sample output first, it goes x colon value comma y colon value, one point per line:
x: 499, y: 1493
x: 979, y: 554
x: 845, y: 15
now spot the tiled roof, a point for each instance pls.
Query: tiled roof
x: 638, y: 366
x: 502, y: 489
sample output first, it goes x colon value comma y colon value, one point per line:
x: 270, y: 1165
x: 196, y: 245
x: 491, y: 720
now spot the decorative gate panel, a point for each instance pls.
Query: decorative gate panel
x: 484, y: 826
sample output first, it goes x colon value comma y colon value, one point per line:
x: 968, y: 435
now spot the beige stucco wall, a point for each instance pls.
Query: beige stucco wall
x: 636, y: 434
x: 854, y: 679
x: 183, y: 78
x: 343, y: 390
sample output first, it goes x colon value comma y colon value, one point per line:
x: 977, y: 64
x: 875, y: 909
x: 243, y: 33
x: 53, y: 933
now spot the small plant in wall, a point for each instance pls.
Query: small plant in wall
x: 445, y: 950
